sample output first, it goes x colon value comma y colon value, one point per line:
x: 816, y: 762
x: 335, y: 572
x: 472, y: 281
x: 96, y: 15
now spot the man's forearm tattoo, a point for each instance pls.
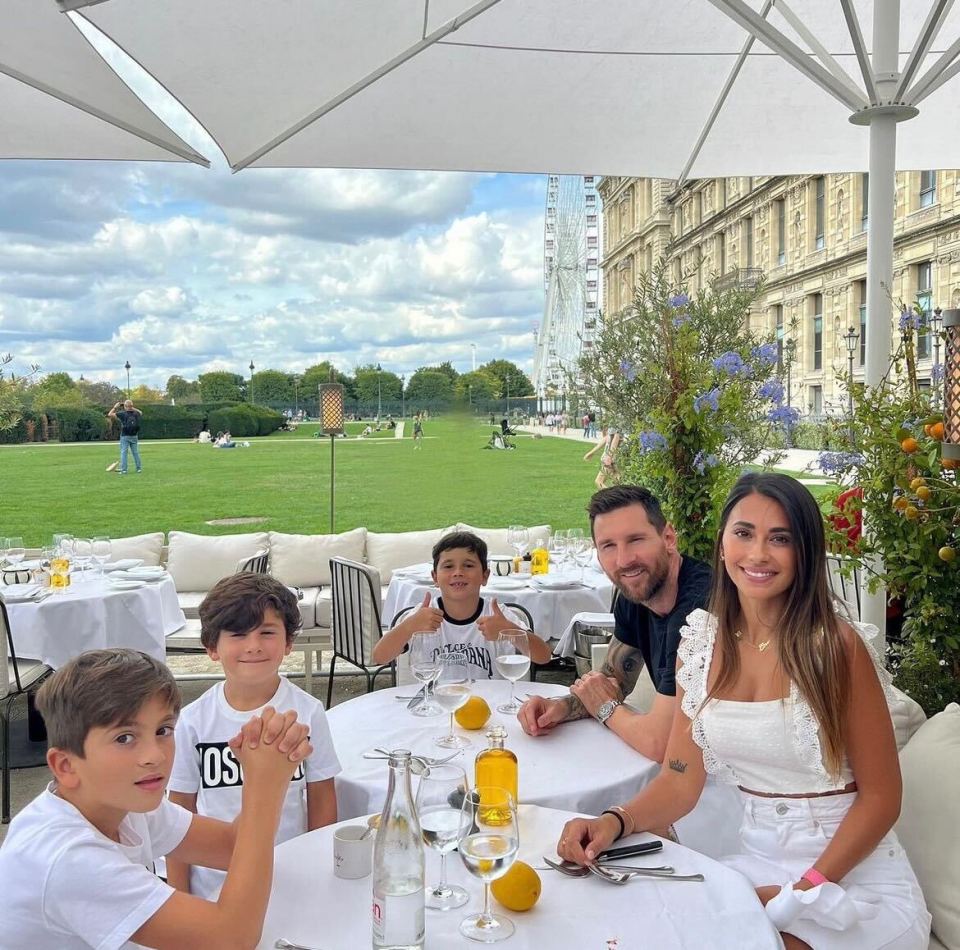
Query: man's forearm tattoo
x: 575, y: 709
x: 677, y: 766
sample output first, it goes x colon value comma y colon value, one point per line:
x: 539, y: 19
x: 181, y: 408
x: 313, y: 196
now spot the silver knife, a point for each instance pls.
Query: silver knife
x: 418, y: 699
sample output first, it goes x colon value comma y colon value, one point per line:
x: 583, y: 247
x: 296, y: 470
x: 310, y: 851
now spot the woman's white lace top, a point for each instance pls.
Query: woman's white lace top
x: 764, y: 746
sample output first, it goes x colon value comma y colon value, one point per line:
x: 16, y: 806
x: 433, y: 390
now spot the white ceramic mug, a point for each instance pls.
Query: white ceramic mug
x: 352, y: 852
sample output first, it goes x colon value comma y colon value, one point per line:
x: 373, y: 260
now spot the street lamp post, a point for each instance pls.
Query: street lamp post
x: 403, y: 395
x: 508, y: 396
x: 126, y: 366
x: 379, y: 399
x: 936, y: 325
x: 850, y: 338
x: 296, y: 395
x: 251, y: 382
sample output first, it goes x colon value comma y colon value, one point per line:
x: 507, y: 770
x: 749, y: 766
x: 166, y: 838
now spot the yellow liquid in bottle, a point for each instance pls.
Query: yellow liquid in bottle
x: 539, y: 561
x: 497, y: 767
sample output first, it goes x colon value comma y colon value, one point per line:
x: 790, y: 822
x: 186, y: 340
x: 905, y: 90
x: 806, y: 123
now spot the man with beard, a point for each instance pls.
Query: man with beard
x: 657, y: 588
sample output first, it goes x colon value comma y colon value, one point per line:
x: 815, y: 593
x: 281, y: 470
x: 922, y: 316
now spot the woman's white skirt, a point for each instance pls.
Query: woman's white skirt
x: 877, y: 905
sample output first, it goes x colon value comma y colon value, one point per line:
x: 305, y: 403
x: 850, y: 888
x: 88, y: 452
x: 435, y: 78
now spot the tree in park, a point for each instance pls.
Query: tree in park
x: 477, y: 387
x: 270, y: 386
x: 367, y: 380
x: 146, y: 395
x: 99, y: 393
x: 446, y: 367
x: 12, y: 393
x: 319, y: 373
x: 510, y: 378
x: 430, y: 386
x: 55, y: 389
x: 181, y: 389
x: 220, y: 386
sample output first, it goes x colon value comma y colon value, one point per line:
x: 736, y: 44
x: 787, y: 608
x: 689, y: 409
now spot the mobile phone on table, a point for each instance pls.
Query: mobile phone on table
x: 632, y: 850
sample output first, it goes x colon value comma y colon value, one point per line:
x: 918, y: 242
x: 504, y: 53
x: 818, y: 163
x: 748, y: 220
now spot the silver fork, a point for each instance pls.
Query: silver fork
x: 622, y: 877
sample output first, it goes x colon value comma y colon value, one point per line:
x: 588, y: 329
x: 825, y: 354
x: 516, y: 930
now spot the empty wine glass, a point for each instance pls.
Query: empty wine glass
x: 513, y: 662
x: 443, y: 824
x: 425, y: 648
x: 451, y: 690
x: 578, y: 545
x: 15, y: 551
x: 519, y: 539
x: 557, y: 548
x: 101, y: 550
x: 82, y: 553
x: 488, y: 850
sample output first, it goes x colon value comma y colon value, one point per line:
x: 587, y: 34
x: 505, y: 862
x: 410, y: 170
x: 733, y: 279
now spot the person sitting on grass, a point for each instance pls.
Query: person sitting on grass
x: 76, y: 865
x: 469, y: 623
x: 248, y: 623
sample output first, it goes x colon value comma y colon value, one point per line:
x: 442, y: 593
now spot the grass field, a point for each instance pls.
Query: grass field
x: 381, y: 482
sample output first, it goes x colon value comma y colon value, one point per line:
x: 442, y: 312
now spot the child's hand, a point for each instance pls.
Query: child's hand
x: 427, y: 617
x: 271, y: 745
x: 491, y: 627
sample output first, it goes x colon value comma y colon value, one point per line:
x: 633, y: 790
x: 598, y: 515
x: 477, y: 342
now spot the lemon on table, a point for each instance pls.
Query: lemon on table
x: 518, y: 889
x: 473, y: 714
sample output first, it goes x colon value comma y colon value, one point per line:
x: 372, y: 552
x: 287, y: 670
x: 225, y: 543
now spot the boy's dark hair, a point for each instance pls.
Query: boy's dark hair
x: 237, y: 603
x: 461, y: 539
x: 619, y: 496
x: 99, y: 689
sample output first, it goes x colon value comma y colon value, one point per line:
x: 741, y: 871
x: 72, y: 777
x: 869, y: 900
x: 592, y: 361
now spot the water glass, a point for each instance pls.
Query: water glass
x: 519, y: 539
x: 425, y: 646
x: 488, y: 851
x: 101, y: 550
x: 15, y: 551
x: 513, y: 663
x: 443, y: 824
x: 451, y: 691
x: 82, y: 553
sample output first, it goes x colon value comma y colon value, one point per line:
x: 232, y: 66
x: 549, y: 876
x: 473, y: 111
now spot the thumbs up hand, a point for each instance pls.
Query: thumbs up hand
x: 492, y: 626
x: 427, y: 617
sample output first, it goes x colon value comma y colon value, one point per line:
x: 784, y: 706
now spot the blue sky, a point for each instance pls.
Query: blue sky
x: 180, y: 269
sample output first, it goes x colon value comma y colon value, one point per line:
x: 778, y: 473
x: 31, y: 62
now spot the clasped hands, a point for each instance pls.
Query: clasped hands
x: 594, y: 689
x: 271, y: 743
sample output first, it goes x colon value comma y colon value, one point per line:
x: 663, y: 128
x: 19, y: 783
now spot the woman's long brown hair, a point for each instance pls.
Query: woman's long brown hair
x: 810, y: 646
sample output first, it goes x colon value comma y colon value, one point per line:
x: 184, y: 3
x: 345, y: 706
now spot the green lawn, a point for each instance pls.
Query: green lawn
x: 382, y: 483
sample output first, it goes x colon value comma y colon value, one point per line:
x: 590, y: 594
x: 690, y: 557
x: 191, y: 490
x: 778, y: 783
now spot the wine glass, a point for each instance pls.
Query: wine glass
x: 519, y: 539
x: 557, y: 548
x: 577, y: 544
x: 488, y: 850
x: 82, y: 553
x: 15, y: 551
x: 425, y: 646
x: 451, y: 691
x: 101, y: 550
x: 443, y: 823
x: 513, y: 662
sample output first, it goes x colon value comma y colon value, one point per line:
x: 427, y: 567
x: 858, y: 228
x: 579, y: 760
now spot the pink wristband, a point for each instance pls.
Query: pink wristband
x: 815, y: 877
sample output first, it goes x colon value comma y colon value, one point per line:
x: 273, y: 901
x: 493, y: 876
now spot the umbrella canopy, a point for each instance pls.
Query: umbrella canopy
x: 59, y: 99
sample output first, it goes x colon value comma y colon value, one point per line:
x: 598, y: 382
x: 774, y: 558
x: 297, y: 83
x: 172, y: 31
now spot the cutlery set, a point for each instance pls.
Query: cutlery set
x: 621, y: 873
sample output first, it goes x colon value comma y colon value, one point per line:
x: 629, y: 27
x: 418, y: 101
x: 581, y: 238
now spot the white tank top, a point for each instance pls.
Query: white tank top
x: 770, y: 746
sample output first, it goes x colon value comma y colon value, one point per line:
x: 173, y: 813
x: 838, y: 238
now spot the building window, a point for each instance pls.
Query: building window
x: 721, y: 194
x: 748, y: 242
x: 820, y: 213
x: 862, y: 285
x: 778, y: 327
x: 864, y: 202
x: 816, y: 400
x: 928, y: 188
x: 722, y: 252
x: 818, y: 331
x: 924, y: 299
x: 781, y: 231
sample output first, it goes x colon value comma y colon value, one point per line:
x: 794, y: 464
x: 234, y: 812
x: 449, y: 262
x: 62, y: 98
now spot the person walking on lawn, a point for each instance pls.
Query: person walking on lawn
x: 129, y: 419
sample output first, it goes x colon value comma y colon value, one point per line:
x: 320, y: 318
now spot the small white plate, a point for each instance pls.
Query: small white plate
x: 124, y: 564
x: 507, y: 583
x: 126, y: 585
x: 558, y: 583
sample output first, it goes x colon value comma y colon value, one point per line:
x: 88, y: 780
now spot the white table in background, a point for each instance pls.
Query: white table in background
x: 92, y: 615
x: 551, y: 609
x: 309, y: 905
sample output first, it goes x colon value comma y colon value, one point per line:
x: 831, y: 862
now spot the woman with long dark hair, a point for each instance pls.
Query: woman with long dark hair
x: 781, y: 696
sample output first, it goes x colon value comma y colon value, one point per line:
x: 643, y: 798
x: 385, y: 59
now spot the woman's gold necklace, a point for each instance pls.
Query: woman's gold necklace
x: 761, y: 646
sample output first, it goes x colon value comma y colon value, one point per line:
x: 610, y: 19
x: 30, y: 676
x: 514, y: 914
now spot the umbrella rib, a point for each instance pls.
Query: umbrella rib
x: 927, y: 35
x: 375, y: 76
x: 932, y: 78
x: 860, y: 47
x: 184, y: 151
x: 739, y: 12
x: 934, y: 82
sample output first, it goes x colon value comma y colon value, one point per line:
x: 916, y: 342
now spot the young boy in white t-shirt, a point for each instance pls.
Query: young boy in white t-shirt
x: 468, y: 622
x: 248, y: 623
x: 76, y: 868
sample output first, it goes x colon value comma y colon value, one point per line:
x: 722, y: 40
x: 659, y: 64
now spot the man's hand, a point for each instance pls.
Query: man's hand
x: 594, y: 689
x: 584, y: 838
x: 426, y: 617
x: 271, y: 746
x: 538, y: 716
x: 491, y: 627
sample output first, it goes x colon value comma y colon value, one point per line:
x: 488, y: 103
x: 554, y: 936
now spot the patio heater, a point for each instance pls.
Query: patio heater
x: 935, y: 325
x: 331, y: 424
x: 950, y: 446
x: 851, y: 337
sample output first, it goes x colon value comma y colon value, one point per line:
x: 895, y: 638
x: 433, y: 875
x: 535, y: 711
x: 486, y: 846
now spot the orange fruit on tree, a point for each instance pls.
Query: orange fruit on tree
x: 911, y: 512
x: 924, y: 493
x: 910, y: 445
x: 947, y: 553
x: 926, y: 429
x: 936, y: 431
x: 917, y: 482
x: 900, y: 502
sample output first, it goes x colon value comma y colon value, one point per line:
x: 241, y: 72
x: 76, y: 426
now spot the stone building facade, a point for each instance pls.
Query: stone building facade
x: 807, y: 236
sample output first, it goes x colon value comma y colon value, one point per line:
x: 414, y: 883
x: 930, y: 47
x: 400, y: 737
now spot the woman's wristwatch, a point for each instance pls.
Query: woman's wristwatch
x: 606, y: 710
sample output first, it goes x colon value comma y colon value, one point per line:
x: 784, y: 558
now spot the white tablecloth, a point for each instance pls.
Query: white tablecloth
x: 91, y: 615
x: 581, y: 766
x: 551, y: 609
x: 309, y: 905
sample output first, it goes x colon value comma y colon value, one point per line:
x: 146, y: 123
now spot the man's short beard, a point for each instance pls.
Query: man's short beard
x: 657, y: 581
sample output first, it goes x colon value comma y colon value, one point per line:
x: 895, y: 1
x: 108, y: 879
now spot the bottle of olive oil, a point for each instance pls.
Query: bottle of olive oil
x: 539, y: 560
x: 497, y: 766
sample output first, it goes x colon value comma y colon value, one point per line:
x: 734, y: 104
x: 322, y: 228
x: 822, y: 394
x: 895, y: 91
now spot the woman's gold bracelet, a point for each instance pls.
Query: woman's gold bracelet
x: 627, y: 819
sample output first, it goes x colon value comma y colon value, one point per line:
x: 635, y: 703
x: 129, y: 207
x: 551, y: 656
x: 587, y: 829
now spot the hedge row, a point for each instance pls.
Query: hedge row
x: 243, y: 420
x: 32, y: 427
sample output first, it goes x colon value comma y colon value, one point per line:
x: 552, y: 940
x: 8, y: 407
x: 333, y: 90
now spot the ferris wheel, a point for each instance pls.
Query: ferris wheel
x: 571, y: 268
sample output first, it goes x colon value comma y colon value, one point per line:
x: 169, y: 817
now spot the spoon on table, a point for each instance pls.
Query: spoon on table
x: 282, y: 944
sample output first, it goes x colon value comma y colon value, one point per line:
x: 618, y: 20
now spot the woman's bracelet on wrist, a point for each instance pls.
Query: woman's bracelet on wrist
x: 629, y: 825
x: 815, y: 877
x: 610, y: 811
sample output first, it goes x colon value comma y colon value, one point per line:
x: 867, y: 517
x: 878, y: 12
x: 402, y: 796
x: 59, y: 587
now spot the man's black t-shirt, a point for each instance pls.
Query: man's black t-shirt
x: 129, y: 422
x: 657, y: 638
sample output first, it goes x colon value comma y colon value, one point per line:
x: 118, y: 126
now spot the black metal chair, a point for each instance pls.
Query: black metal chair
x: 257, y: 563
x: 355, y: 620
x: 841, y: 585
x: 17, y: 678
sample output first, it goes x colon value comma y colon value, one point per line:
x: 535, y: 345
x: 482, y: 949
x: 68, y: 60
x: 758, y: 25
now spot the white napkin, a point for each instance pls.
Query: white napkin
x: 20, y: 593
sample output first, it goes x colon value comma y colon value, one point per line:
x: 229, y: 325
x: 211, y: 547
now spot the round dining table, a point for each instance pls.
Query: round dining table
x: 580, y: 766
x: 92, y: 614
x: 312, y: 907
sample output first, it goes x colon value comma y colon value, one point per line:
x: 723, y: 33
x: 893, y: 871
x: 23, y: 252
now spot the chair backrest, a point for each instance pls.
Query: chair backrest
x: 355, y: 609
x: 9, y: 671
x: 257, y: 563
x: 845, y: 588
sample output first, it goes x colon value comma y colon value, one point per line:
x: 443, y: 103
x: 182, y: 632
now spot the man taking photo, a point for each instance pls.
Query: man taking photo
x: 129, y: 419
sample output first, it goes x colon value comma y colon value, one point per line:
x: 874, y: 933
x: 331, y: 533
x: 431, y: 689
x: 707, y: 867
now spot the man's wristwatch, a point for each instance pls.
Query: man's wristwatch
x: 606, y: 710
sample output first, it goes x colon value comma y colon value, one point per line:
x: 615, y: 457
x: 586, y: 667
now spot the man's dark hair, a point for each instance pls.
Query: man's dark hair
x: 461, y: 539
x: 620, y: 496
x: 238, y: 602
x: 100, y: 689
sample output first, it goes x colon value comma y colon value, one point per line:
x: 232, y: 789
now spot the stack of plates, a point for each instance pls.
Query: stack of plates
x: 123, y: 564
x: 507, y: 583
x: 136, y: 576
x: 555, y: 582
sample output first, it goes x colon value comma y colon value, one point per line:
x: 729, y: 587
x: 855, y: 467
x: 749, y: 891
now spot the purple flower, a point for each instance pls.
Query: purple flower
x: 765, y: 354
x: 785, y: 415
x: 680, y: 300
x: 652, y: 441
x: 732, y: 364
x: 708, y: 400
x: 772, y: 389
x: 936, y: 374
x: 679, y: 321
x: 910, y: 320
x: 702, y: 462
x: 628, y: 370
x: 836, y: 463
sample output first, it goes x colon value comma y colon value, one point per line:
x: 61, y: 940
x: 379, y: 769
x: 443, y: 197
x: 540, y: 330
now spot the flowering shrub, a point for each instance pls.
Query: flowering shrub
x: 695, y: 394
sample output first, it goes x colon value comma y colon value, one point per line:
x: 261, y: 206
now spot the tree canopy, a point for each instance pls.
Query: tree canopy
x: 505, y: 371
x: 220, y: 386
x: 430, y: 386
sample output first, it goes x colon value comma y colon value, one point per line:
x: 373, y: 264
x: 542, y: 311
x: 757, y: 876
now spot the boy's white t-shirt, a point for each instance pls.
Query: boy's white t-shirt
x: 464, y: 636
x: 206, y: 766
x: 66, y: 886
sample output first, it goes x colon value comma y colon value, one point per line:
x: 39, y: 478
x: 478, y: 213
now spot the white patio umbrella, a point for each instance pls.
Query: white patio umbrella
x: 686, y: 88
x: 59, y: 99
